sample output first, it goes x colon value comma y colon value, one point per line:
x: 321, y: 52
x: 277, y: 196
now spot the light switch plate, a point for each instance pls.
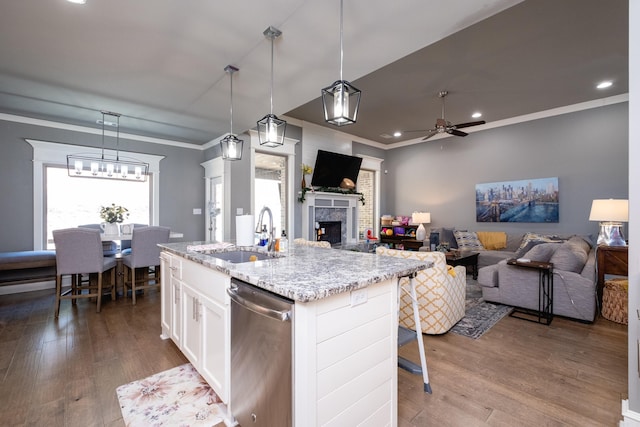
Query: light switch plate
x: 239, y: 211
x: 197, y: 211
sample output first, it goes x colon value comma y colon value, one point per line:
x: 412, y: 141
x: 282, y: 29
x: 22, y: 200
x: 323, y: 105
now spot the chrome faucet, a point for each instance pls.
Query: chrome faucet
x: 271, y: 244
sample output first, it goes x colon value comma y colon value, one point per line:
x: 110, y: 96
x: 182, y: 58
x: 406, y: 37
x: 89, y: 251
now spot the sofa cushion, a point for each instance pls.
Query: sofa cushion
x: 532, y: 239
x: 492, y: 240
x: 542, y: 252
x: 570, y: 256
x: 468, y: 240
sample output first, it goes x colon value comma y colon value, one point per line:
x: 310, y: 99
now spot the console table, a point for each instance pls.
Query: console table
x: 612, y: 260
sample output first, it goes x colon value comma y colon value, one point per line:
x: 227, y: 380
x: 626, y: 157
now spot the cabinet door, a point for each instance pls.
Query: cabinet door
x: 191, y: 330
x: 215, y: 366
x: 165, y: 295
x: 176, y: 310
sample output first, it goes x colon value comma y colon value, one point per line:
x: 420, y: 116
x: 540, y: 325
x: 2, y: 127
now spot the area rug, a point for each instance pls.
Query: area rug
x: 177, y: 397
x: 480, y: 315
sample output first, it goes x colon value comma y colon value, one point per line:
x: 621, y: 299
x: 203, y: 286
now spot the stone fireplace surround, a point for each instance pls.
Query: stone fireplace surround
x: 326, y: 206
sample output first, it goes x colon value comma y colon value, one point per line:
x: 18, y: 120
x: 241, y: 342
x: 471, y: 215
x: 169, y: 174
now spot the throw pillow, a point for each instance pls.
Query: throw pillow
x: 569, y: 257
x: 492, y: 240
x: 542, y: 252
x: 468, y: 240
x: 446, y: 235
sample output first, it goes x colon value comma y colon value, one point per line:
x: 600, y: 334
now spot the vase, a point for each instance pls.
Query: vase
x: 110, y: 228
x: 303, y: 184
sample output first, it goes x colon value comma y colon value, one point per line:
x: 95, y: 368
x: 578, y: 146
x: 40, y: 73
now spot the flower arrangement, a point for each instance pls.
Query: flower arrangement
x: 113, y: 213
x: 306, y: 169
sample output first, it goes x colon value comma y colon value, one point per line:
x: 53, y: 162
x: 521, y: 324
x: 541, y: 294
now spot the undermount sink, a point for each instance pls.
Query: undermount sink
x: 238, y: 257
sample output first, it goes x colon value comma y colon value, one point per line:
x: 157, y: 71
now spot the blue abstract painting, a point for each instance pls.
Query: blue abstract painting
x: 525, y: 200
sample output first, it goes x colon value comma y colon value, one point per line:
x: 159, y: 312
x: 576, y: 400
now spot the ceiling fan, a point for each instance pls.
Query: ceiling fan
x: 443, y: 126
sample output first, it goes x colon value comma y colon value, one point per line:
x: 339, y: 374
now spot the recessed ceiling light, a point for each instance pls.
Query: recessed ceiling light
x: 77, y: 1
x: 476, y: 115
x: 605, y: 84
x: 397, y: 133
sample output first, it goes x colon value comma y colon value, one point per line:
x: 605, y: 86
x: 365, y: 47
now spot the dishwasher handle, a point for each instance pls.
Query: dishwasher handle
x: 281, y: 315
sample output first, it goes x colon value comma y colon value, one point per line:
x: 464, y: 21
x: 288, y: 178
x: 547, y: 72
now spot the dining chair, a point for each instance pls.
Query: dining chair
x: 79, y: 251
x: 125, y: 245
x: 109, y: 248
x: 145, y: 254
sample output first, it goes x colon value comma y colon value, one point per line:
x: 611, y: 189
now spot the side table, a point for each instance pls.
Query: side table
x: 612, y: 260
x: 544, y: 314
x: 465, y: 259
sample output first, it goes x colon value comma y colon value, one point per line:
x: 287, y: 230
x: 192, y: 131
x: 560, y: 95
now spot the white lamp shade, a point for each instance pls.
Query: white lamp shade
x: 612, y: 210
x: 421, y: 217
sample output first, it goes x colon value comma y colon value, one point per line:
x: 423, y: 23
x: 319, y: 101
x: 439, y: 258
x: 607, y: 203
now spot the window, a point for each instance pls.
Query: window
x: 73, y: 201
x: 271, y: 188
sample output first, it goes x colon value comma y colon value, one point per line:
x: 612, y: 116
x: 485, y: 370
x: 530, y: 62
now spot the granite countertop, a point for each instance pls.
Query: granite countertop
x: 305, y: 273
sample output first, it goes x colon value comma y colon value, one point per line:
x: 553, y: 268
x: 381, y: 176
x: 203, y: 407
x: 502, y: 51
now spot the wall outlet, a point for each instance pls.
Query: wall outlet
x: 239, y: 211
x: 197, y: 211
x: 358, y: 297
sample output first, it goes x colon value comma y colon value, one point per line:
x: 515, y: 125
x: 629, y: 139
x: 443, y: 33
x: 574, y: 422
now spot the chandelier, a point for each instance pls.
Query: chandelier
x: 107, y: 166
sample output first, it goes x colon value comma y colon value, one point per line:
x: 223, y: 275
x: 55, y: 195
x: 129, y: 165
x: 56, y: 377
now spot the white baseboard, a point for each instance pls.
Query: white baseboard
x: 27, y: 287
x: 629, y: 418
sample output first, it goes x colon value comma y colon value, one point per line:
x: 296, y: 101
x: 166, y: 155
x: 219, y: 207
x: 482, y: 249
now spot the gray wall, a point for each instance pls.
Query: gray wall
x: 181, y: 182
x: 587, y: 151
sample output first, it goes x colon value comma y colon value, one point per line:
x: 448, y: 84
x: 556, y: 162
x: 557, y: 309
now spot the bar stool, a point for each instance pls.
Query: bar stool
x: 405, y: 335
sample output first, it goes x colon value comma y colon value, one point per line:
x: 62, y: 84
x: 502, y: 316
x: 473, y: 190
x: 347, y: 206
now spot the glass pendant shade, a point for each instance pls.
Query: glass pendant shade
x: 107, y: 166
x: 231, y: 147
x: 340, y: 102
x: 271, y: 131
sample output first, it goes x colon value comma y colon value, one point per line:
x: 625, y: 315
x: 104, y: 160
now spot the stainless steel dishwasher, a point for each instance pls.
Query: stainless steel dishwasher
x: 261, y: 353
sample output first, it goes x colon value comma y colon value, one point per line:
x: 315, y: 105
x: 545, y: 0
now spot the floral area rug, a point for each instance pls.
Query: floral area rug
x: 177, y: 397
x: 479, y: 315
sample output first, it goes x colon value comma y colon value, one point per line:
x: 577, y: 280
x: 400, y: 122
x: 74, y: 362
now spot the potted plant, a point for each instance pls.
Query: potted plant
x: 112, y: 216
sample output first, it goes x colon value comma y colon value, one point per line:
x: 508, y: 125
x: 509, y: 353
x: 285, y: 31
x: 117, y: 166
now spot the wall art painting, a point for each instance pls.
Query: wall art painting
x: 525, y: 200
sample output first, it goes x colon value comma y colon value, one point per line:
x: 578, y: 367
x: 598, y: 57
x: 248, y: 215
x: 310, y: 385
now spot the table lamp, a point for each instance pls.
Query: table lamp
x: 611, y: 213
x: 421, y: 218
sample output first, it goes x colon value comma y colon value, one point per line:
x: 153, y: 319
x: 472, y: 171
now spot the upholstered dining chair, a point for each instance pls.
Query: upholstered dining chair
x: 145, y: 253
x: 305, y: 242
x: 109, y: 248
x: 79, y: 251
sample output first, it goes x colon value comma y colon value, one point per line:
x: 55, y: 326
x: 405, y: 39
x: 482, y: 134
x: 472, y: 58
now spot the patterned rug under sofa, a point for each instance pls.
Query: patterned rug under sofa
x: 176, y: 397
x: 480, y: 315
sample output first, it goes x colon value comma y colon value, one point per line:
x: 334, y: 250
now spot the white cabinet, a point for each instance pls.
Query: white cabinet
x: 196, y: 315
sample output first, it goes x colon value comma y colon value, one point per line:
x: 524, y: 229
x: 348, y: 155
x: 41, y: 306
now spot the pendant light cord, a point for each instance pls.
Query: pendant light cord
x: 271, y: 110
x: 231, y: 100
x: 341, y: 53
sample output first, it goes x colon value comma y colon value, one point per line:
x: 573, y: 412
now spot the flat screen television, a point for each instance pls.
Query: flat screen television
x: 332, y: 168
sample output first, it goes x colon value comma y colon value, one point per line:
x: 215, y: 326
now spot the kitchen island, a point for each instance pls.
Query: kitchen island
x: 344, y: 330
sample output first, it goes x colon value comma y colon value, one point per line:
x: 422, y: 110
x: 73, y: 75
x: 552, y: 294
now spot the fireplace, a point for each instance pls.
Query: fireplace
x: 330, y: 231
x: 336, y: 208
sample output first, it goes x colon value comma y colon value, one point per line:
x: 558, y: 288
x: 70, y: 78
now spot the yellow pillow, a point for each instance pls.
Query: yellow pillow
x: 492, y: 240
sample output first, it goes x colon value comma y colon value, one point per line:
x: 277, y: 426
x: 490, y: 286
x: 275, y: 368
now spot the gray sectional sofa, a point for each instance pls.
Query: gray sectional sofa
x: 574, y: 287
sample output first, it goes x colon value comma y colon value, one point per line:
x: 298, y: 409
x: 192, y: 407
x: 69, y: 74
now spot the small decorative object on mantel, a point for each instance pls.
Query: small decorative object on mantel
x: 306, y: 170
x: 112, y: 216
x: 347, y: 184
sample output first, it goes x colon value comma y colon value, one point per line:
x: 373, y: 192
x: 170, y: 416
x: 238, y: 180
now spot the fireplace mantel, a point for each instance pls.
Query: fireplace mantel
x: 317, y: 203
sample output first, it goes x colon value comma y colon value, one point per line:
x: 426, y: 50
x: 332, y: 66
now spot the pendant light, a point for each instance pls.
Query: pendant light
x: 341, y: 100
x: 107, y: 166
x: 271, y: 129
x: 231, y: 145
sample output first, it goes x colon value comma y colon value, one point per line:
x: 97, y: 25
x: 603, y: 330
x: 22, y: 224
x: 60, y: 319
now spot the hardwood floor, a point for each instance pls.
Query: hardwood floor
x: 65, y: 372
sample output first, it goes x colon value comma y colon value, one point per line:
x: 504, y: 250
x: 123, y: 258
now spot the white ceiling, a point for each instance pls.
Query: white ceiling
x: 161, y: 63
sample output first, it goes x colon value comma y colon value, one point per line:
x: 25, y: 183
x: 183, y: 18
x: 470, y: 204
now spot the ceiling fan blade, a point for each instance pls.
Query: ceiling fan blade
x: 466, y: 125
x: 430, y: 134
x: 457, y: 132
